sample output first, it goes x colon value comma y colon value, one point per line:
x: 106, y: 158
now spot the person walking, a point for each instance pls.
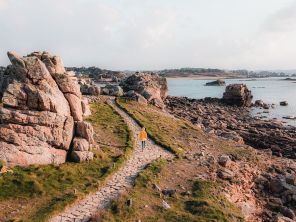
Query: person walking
x: 143, y: 138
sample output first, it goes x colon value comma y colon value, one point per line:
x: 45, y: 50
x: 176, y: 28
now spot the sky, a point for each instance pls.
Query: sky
x: 153, y: 34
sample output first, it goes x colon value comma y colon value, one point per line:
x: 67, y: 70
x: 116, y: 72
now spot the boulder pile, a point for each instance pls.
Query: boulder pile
x: 112, y: 90
x: 149, y: 85
x: 88, y: 87
x: 238, y: 94
x: 278, y: 186
x: 260, y: 104
x: 42, y: 112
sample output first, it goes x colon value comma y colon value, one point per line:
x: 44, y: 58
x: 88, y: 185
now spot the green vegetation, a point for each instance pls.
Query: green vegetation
x: 112, y: 133
x: 174, y: 135
x: 203, y: 204
x: 194, y: 71
x: 1, y: 164
x: 207, y: 203
x: 34, y: 193
x: 178, y: 135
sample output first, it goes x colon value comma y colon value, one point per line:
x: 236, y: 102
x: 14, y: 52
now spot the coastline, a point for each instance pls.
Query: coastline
x: 235, y: 123
x: 204, y: 77
x: 271, y: 91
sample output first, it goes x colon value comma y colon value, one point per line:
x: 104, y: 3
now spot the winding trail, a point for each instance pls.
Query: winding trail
x: 120, y: 181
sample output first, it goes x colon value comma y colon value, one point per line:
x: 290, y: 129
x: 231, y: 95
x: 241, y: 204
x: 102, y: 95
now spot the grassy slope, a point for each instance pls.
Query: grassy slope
x: 174, y: 134
x: 205, y: 202
x: 33, y: 193
x: 161, y: 128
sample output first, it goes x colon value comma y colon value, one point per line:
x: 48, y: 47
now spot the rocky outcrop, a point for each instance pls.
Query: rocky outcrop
x: 99, y: 75
x: 278, y: 183
x: 261, y: 104
x: 88, y: 87
x: 41, y: 105
x: 136, y: 97
x: 219, y: 82
x: 238, y: 94
x: 112, y: 90
x: 2, y: 71
x: 151, y: 86
x: 284, y: 103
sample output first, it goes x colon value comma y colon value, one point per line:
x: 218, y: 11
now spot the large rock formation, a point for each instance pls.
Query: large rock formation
x: 41, y: 105
x: 151, y: 86
x: 238, y: 94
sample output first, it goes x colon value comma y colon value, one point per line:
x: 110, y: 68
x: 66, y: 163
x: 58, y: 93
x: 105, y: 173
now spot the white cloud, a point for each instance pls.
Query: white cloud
x: 273, y: 46
x: 152, y: 34
x: 282, y: 21
x: 3, y: 4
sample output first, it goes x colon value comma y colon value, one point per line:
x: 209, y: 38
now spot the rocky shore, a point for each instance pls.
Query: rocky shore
x: 269, y: 187
x: 236, y: 123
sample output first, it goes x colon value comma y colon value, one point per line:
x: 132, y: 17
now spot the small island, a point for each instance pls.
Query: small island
x: 219, y: 82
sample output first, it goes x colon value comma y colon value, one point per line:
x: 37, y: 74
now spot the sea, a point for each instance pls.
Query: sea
x: 270, y: 90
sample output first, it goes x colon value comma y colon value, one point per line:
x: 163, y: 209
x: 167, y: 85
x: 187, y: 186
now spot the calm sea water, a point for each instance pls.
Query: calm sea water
x: 270, y: 90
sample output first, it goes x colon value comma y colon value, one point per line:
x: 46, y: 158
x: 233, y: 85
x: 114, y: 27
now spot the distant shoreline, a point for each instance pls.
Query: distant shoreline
x: 203, y: 77
x: 206, y: 77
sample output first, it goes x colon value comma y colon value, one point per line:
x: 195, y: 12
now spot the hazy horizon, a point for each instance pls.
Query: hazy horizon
x: 154, y: 35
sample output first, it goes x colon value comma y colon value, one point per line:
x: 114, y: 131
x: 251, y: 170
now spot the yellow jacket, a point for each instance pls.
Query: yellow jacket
x: 143, y: 135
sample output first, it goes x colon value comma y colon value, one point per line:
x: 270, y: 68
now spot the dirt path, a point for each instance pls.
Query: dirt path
x: 120, y: 181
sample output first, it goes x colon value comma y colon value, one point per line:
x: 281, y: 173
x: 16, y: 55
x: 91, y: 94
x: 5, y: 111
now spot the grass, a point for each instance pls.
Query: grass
x: 165, y: 132
x: 110, y: 127
x: 1, y: 164
x: 35, y: 193
x: 178, y: 135
x: 205, y: 203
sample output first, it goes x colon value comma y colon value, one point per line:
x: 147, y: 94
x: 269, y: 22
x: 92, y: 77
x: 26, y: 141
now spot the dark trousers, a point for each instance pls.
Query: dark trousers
x: 143, y: 144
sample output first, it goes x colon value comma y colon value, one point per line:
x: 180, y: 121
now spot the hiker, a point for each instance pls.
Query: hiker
x: 143, y: 137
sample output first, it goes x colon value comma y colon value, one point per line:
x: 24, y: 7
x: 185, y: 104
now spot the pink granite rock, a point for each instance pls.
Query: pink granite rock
x: 80, y: 144
x: 81, y: 156
x: 41, y: 101
x: 85, y: 107
x: 75, y: 106
x: 85, y: 130
x: 150, y: 85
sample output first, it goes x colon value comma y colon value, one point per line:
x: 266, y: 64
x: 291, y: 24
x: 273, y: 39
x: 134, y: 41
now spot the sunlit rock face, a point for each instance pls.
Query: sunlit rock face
x: 150, y: 85
x: 41, y: 104
x: 238, y: 94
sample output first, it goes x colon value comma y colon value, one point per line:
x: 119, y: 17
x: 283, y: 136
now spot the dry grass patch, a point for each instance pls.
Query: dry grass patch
x: 203, y: 203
